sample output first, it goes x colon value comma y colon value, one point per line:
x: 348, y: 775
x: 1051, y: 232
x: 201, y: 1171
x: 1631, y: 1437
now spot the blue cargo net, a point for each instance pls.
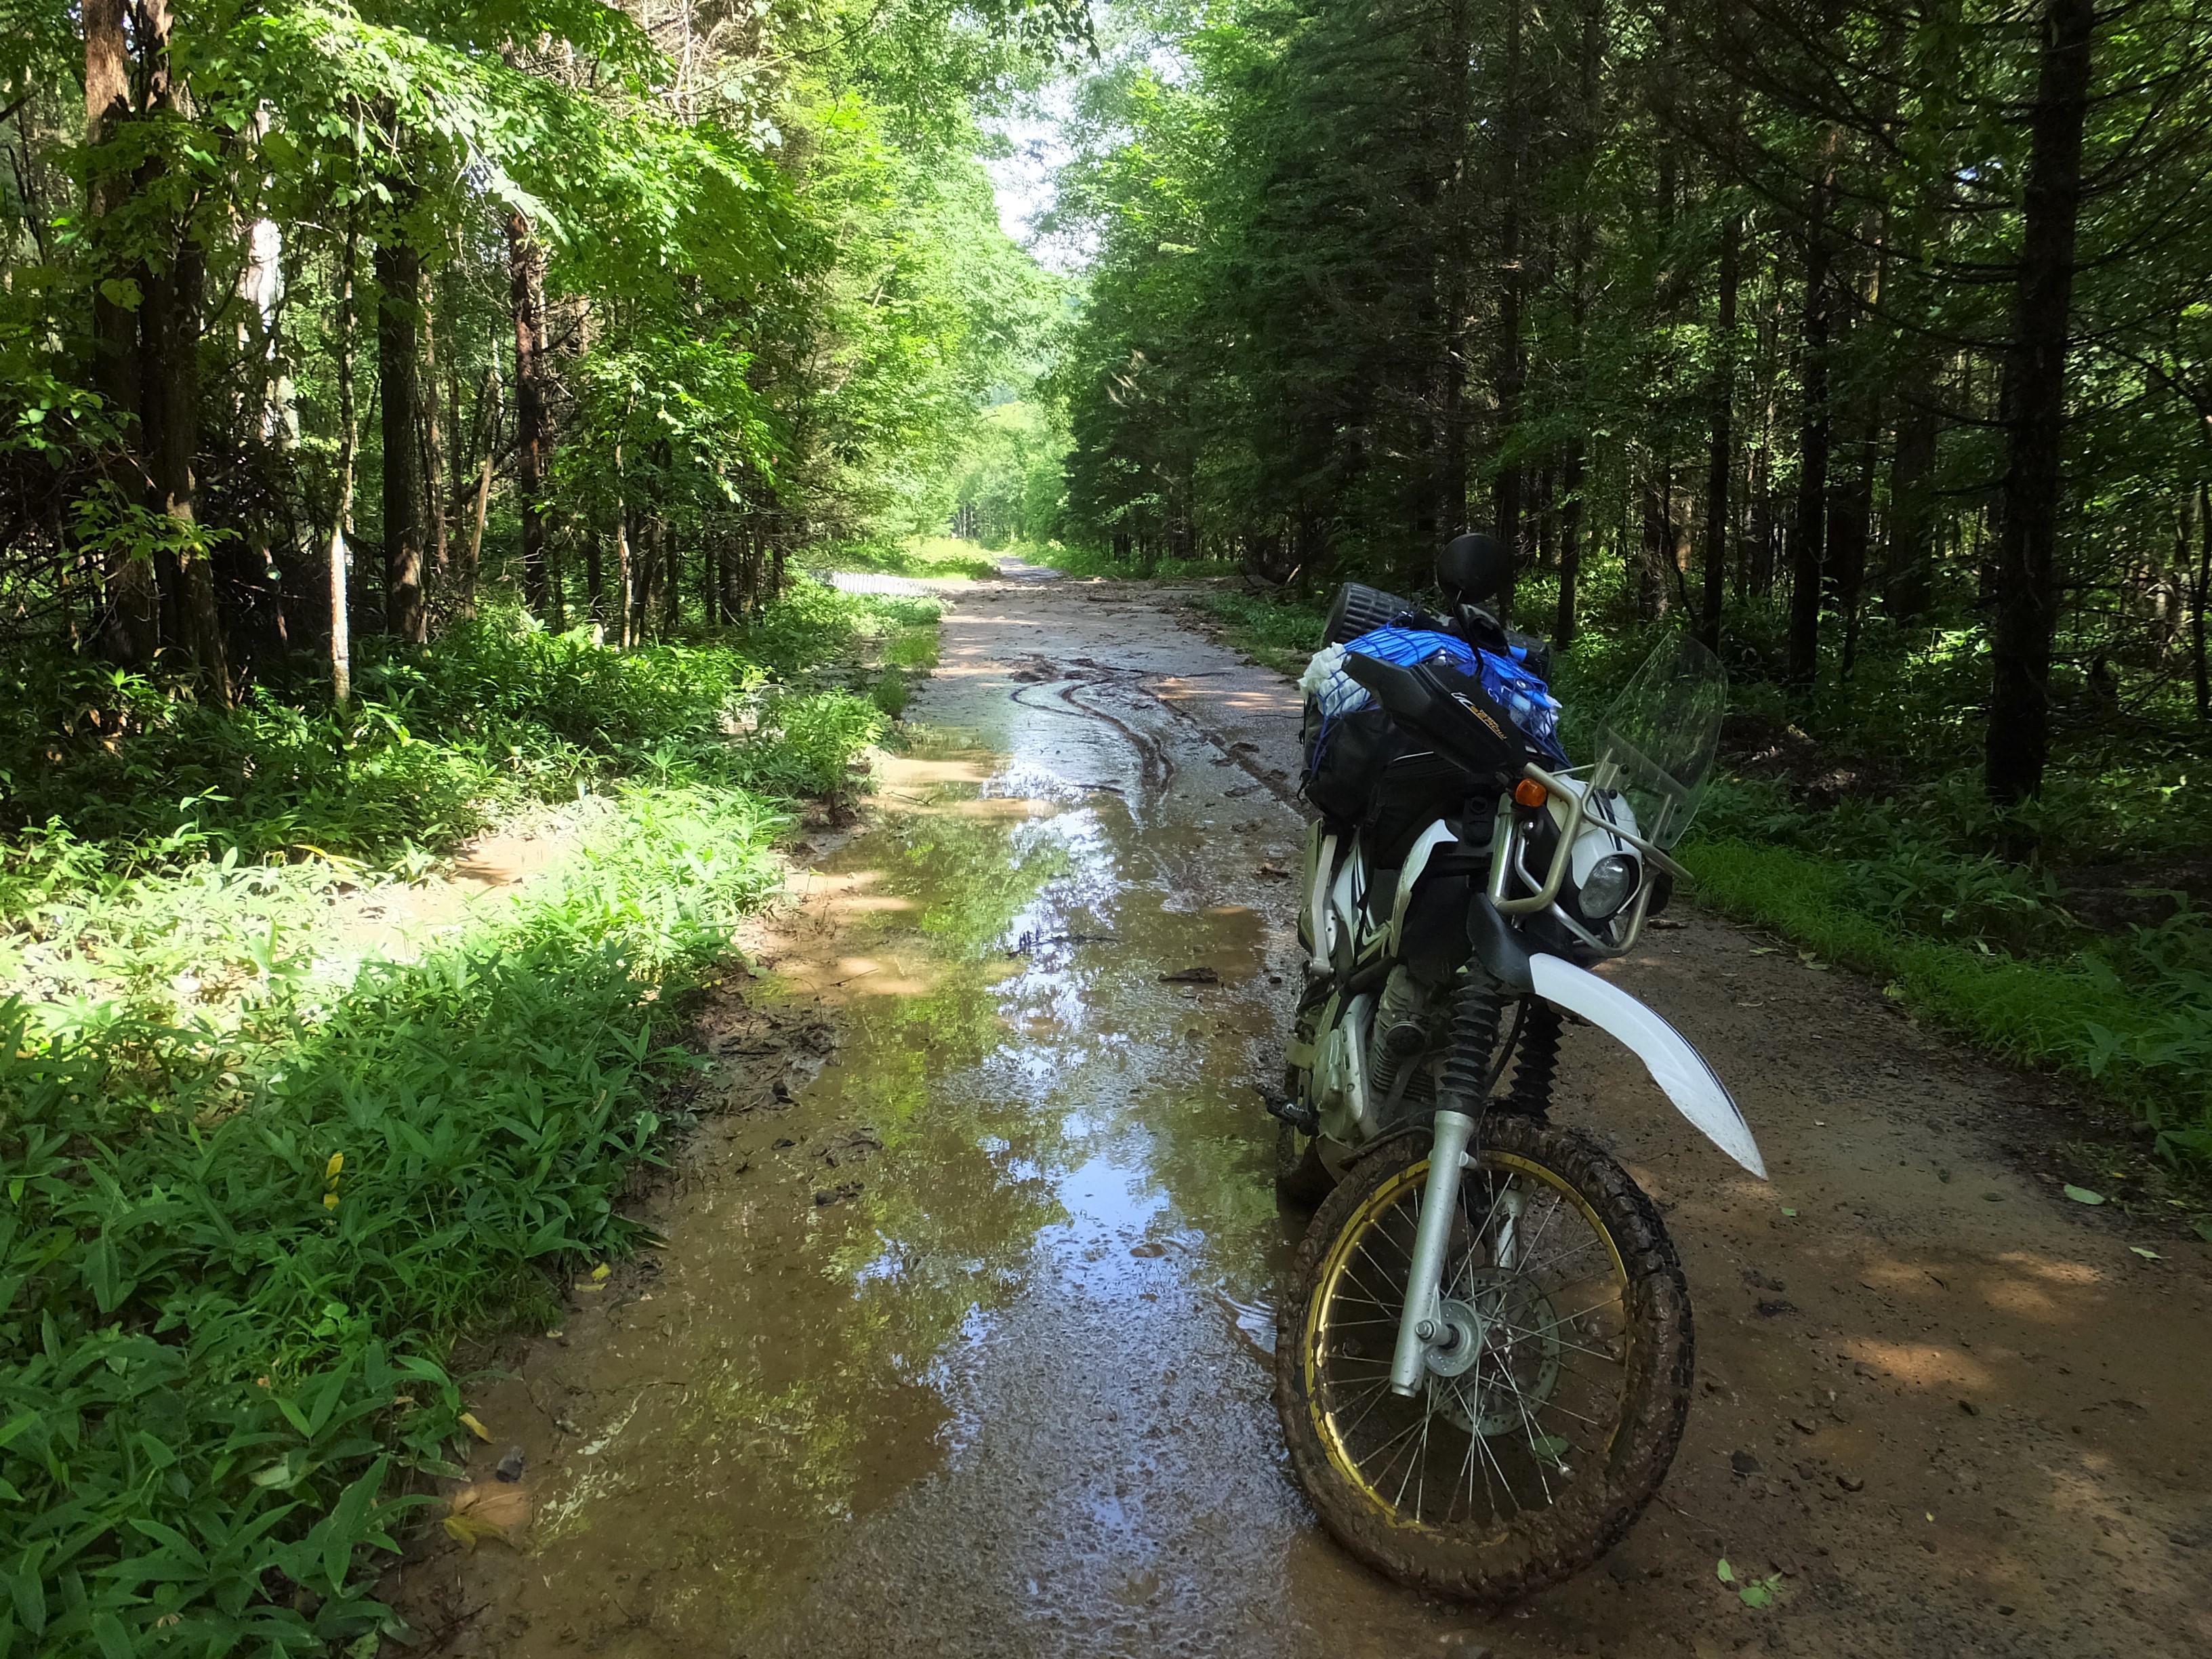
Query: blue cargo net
x: 1336, y: 693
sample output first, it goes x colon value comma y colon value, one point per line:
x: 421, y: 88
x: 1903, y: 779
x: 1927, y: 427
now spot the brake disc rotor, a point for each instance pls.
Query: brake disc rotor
x: 1506, y: 1361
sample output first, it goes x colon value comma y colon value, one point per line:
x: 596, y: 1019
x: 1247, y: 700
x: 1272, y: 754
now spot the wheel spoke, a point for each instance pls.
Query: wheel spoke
x: 1540, y: 1381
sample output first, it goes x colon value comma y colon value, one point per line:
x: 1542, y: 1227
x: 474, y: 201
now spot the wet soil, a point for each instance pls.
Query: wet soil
x: 959, y: 1342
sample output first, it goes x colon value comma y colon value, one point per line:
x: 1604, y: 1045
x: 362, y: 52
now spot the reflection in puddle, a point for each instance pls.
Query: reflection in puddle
x: 1020, y: 1113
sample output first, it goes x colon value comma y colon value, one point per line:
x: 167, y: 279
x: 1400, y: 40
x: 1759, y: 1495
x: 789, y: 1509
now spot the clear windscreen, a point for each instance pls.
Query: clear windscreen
x: 1661, y: 735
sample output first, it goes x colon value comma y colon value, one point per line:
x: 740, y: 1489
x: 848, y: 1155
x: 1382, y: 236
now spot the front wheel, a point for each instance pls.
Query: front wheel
x: 1532, y: 1445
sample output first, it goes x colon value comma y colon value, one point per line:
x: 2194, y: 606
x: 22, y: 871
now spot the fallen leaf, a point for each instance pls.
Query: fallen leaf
x: 1788, y: 1211
x: 1759, y: 1594
x: 485, y: 1512
x: 601, y: 1271
x: 1193, y: 976
x: 470, y: 1422
x: 2082, y: 1194
x: 1724, y: 1572
x: 331, y: 1170
x: 1764, y: 950
x: 2147, y: 1255
x: 2203, y: 1230
x: 1271, y: 873
x: 1149, y: 1249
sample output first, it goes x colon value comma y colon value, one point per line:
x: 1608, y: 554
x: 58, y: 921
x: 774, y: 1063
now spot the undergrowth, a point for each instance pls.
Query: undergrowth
x: 248, y: 1206
x: 935, y: 557
x: 1087, y: 562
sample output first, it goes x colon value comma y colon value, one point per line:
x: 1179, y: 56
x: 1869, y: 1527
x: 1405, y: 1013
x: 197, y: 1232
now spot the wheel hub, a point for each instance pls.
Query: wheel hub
x: 1503, y: 1361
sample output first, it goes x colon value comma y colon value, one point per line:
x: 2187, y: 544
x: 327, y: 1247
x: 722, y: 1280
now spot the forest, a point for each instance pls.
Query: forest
x: 422, y: 417
x: 416, y: 421
x: 1870, y: 342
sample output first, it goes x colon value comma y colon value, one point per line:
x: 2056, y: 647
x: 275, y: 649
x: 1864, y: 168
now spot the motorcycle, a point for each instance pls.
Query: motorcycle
x: 1484, y: 1359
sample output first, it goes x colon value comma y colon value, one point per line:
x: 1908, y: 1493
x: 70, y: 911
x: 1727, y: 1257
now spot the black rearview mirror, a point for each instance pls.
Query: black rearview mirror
x: 1474, y: 567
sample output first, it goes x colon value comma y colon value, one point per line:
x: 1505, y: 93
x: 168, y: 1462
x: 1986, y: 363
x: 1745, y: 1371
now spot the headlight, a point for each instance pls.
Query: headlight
x: 1610, y: 884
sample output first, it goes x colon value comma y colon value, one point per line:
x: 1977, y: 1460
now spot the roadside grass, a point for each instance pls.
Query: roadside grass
x: 248, y: 1210
x: 934, y: 557
x: 2132, y: 1013
x: 1088, y: 562
x: 1903, y: 886
x: 1281, y: 633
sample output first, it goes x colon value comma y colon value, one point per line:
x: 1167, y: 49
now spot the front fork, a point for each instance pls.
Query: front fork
x: 1421, y: 1326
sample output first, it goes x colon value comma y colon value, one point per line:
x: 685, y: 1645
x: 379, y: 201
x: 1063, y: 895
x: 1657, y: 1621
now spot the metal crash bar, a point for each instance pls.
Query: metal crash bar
x: 1502, y: 859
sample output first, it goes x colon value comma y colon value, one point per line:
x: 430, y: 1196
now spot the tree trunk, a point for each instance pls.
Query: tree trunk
x: 1570, y: 541
x: 1653, y: 584
x: 1720, y: 457
x: 133, y: 611
x: 1511, y: 366
x: 1909, y: 561
x: 668, y: 559
x: 635, y: 579
x: 342, y: 508
x: 398, y: 281
x: 169, y: 323
x: 1850, y: 525
x: 2202, y: 590
x: 526, y: 268
x: 464, y: 577
x: 437, y: 553
x: 668, y: 562
x: 2033, y: 412
x: 1808, y: 531
x: 248, y: 571
x: 1573, y: 462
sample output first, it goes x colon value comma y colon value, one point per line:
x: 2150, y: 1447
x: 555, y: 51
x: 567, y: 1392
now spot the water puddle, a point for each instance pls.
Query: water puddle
x: 977, y: 1327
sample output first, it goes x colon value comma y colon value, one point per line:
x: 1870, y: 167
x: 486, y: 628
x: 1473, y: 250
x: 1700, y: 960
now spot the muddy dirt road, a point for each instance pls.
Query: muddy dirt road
x: 959, y: 1345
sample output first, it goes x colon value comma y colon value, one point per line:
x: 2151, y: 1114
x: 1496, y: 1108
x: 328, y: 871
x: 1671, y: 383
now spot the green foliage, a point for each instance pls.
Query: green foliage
x: 1012, y: 487
x: 2127, y: 1012
x: 249, y: 1205
x: 499, y: 712
x: 213, y: 1381
x: 1284, y: 634
x: 937, y: 558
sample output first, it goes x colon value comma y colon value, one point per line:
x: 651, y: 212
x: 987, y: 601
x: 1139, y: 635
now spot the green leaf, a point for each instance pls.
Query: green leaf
x: 28, y: 1589
x: 1724, y: 1572
x: 114, y: 1641
x: 2147, y: 1254
x: 1760, y: 1593
x: 2083, y: 1195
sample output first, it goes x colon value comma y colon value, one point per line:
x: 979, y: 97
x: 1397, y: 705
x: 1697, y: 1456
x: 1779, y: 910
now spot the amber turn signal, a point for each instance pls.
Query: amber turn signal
x: 1529, y: 792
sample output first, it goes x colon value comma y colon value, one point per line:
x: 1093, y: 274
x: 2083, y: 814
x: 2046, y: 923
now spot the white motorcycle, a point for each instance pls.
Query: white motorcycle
x: 1483, y: 1361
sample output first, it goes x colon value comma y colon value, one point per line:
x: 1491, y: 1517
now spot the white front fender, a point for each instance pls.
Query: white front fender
x: 1679, y: 1070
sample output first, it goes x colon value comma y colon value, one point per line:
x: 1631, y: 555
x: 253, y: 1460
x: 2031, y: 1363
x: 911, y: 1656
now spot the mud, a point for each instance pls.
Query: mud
x: 959, y: 1341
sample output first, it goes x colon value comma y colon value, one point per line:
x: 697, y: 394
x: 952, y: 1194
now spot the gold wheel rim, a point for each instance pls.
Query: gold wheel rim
x: 1335, y: 1265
